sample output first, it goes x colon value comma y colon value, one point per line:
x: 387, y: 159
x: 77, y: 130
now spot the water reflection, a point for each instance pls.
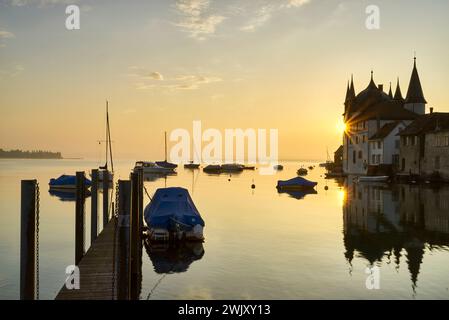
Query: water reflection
x: 151, y: 177
x: 170, y: 258
x: 383, y: 222
x: 297, y: 194
x: 65, y: 195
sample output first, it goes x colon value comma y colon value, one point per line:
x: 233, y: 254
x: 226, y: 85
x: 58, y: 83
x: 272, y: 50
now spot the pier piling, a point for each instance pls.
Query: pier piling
x: 28, y: 240
x: 124, y: 261
x: 105, y: 197
x: 94, y: 207
x: 79, y: 216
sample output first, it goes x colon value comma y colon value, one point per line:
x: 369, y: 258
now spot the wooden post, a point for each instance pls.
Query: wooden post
x: 105, y: 197
x: 94, y: 207
x: 79, y: 216
x: 135, y: 235
x: 123, y: 222
x: 28, y: 240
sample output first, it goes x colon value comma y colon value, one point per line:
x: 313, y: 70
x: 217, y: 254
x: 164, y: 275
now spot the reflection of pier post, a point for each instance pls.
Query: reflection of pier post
x: 79, y: 216
x: 105, y: 197
x: 124, y: 209
x: 94, y: 207
x: 28, y: 240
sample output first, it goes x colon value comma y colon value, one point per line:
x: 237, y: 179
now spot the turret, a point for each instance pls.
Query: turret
x: 415, y: 100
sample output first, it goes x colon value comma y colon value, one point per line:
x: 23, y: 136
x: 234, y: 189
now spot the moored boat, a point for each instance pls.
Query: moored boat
x: 171, y: 214
x: 66, y: 182
x: 297, y: 183
x: 151, y: 167
x: 232, y: 167
x: 278, y: 167
x: 212, y: 168
x: 191, y: 165
x: 165, y: 163
x: 373, y: 178
x: 302, y: 172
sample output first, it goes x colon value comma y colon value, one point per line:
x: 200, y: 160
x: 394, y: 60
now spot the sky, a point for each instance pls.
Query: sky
x: 162, y: 64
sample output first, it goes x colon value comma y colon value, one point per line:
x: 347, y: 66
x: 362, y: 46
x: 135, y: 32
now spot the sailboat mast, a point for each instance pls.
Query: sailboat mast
x: 109, y: 138
x: 165, y: 146
x: 106, y: 136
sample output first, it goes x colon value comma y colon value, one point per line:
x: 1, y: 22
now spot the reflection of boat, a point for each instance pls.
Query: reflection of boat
x: 191, y: 165
x: 373, y: 178
x: 66, y: 182
x: 165, y: 163
x: 298, y: 194
x: 65, y: 195
x: 212, y: 168
x: 174, y: 259
x: 302, y: 172
x: 156, y: 176
x: 297, y: 183
x: 151, y: 167
x: 278, y: 167
x: 232, y: 167
x: 172, y: 214
x: 311, y: 167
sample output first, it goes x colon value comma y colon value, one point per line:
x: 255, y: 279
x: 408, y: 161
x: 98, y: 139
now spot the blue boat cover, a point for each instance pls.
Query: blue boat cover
x: 67, y: 180
x: 172, y: 208
x: 296, y: 182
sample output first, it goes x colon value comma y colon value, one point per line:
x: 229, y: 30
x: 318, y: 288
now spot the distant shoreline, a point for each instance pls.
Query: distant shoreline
x: 35, y: 154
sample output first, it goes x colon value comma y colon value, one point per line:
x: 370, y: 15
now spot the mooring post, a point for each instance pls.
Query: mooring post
x: 105, y: 197
x: 123, y: 223
x: 79, y: 216
x: 28, y: 240
x: 94, y: 207
x: 134, y: 222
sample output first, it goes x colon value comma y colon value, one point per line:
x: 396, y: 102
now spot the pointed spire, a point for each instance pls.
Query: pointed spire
x: 397, y: 93
x: 351, y: 88
x: 415, y: 93
x: 371, y: 83
x: 390, y: 94
x: 347, y: 92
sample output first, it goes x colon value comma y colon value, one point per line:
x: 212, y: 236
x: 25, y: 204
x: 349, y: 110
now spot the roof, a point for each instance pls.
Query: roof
x: 427, y: 123
x: 383, y: 132
x: 339, y: 150
x: 414, y: 92
x: 398, y: 93
x: 383, y: 110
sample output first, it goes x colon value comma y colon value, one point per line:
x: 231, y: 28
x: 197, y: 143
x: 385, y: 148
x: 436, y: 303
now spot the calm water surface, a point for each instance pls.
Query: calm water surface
x: 259, y: 244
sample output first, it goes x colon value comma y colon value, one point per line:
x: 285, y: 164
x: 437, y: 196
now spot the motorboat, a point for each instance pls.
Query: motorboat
x: 232, y: 167
x: 66, y: 182
x: 249, y: 167
x: 302, y: 172
x: 171, y: 214
x: 151, y: 167
x: 212, y: 168
x: 297, y: 183
x: 373, y: 178
x: 278, y: 167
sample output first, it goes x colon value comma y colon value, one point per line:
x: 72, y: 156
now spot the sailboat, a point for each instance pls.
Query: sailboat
x: 165, y: 163
x: 104, y: 169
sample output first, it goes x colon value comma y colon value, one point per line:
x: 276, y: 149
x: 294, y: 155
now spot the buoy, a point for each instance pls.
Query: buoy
x: 253, y: 186
x: 326, y: 188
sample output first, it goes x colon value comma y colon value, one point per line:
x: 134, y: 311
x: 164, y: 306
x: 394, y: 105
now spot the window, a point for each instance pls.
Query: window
x: 373, y: 159
x: 403, y: 164
x: 357, y: 139
x: 364, y: 138
x: 379, y: 144
x: 354, y: 157
x: 378, y: 158
x: 360, y: 154
x: 396, y: 144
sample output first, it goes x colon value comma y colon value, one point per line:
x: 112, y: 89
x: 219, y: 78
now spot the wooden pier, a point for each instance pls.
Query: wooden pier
x: 111, y: 267
x: 98, y: 275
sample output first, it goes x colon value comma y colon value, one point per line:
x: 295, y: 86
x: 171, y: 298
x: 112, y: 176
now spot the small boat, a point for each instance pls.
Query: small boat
x: 191, y: 165
x: 311, y: 167
x: 278, y: 167
x: 66, y: 182
x: 212, y: 168
x: 171, y: 214
x: 297, y: 183
x: 245, y: 167
x: 165, y: 163
x: 302, y: 171
x: 152, y: 167
x: 232, y: 167
x: 373, y: 178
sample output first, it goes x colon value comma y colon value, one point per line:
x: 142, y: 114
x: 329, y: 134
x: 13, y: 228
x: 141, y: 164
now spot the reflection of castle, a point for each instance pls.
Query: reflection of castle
x: 380, y: 222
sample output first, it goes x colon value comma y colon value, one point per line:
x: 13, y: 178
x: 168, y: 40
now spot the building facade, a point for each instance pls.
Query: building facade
x: 371, y: 112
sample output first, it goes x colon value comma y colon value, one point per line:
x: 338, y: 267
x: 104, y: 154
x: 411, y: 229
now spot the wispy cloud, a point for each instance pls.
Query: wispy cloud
x: 40, y: 3
x: 6, y: 34
x: 12, y: 71
x: 196, y: 19
x: 145, y: 80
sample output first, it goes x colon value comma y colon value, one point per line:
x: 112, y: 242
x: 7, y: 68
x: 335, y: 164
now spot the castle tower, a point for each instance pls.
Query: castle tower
x: 415, y: 100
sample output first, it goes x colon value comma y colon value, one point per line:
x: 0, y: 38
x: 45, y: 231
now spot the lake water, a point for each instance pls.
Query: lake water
x: 260, y: 244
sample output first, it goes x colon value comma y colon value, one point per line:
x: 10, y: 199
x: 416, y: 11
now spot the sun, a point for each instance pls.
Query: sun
x: 341, y: 126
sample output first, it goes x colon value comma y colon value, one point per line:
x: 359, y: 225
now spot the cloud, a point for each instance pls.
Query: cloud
x: 12, y: 72
x: 6, y: 34
x: 296, y: 3
x: 40, y: 3
x: 146, y: 80
x: 196, y: 19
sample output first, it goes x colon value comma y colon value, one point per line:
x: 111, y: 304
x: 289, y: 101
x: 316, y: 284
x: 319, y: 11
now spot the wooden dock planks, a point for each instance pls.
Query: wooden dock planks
x: 98, y: 279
